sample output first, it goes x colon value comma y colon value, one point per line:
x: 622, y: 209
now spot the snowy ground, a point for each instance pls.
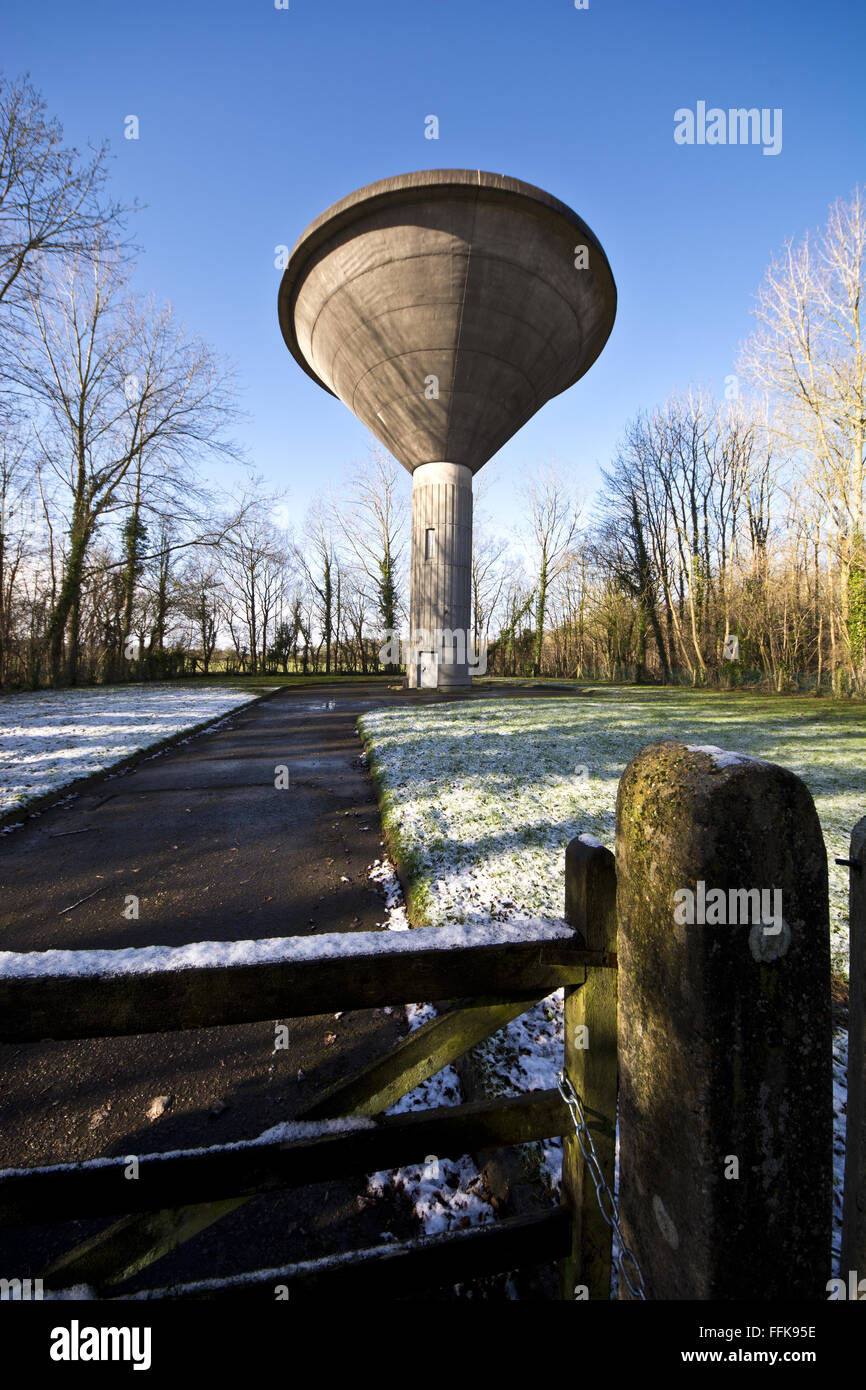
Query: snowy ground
x: 483, y: 797
x: 50, y: 738
x: 444, y: 1193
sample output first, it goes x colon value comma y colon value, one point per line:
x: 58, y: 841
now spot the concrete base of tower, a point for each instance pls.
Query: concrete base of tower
x: 441, y: 649
x: 425, y: 673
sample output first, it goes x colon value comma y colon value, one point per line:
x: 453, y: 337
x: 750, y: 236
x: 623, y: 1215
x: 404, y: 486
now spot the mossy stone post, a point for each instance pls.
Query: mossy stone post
x: 590, y: 1065
x: 854, y: 1218
x: 725, y: 1059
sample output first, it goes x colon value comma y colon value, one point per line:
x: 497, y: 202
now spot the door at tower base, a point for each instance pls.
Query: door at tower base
x: 444, y: 662
x: 428, y: 670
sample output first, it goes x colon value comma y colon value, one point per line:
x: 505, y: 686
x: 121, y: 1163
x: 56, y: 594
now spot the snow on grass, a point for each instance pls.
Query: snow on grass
x: 482, y: 797
x: 445, y: 1194
x: 840, y: 1117
x: 52, y: 737
x: 382, y: 872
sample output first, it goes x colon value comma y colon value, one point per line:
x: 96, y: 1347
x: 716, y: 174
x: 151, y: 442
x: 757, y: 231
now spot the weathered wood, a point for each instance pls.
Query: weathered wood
x: 510, y: 1174
x: 854, y: 1212
x: 420, y: 1055
x: 36, y: 1007
x: 62, y: 1193
x: 591, y: 1066
x: 131, y: 1244
x: 396, y: 1270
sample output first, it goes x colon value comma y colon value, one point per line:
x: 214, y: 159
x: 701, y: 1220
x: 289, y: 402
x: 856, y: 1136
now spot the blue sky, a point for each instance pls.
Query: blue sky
x: 253, y: 120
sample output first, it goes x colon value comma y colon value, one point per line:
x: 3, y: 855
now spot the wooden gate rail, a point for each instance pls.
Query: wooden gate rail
x: 365, y: 970
x: 424, y: 1052
x: 131, y: 1244
x: 99, y: 1188
x: 712, y: 1022
x: 105, y: 994
x: 395, y: 1269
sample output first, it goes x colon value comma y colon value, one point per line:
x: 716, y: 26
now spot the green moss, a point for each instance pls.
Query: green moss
x: 412, y: 870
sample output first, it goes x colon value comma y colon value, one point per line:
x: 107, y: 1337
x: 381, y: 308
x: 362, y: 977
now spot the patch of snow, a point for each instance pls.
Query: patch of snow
x: 52, y: 737
x: 418, y: 1014
x: 720, y: 756
x: 383, y: 873
x: 77, y: 1292
x: 444, y: 1193
x: 149, y: 960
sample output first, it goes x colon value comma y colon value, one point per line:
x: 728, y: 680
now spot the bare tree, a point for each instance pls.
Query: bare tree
x: 553, y: 515
x: 492, y: 567
x: 199, y: 588
x: 370, y: 520
x: 52, y: 200
x: 319, y: 563
x: 513, y: 645
x: 808, y: 353
x: 116, y: 385
x: 20, y: 515
x: 253, y: 562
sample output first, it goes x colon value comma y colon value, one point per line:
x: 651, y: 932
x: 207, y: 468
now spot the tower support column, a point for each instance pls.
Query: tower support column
x: 440, y: 641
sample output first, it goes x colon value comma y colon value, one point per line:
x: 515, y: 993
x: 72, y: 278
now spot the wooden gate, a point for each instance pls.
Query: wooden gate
x: 487, y: 976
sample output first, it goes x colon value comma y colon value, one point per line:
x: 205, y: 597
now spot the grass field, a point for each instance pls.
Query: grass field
x: 480, y: 798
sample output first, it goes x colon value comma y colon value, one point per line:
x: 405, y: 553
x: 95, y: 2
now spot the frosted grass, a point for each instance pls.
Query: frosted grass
x: 484, y: 796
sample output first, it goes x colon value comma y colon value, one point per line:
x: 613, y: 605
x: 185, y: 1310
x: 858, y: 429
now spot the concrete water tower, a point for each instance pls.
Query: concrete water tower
x: 445, y: 308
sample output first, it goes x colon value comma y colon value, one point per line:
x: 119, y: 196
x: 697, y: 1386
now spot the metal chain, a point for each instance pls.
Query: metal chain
x: 602, y: 1191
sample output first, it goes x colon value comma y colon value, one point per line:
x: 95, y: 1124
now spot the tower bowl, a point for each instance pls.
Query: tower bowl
x: 445, y: 307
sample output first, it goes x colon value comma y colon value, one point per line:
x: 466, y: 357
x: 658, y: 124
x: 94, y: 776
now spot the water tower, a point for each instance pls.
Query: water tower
x: 444, y: 308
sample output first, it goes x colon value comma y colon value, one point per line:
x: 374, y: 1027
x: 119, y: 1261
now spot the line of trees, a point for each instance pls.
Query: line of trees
x: 108, y: 409
x: 118, y: 560
x: 737, y: 519
x: 749, y: 519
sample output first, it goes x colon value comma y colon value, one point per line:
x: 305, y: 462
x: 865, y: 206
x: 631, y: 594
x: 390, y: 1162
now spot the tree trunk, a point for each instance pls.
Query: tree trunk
x: 67, y: 609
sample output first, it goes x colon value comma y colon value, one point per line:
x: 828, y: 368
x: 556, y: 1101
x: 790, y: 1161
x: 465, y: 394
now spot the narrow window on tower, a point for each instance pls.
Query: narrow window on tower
x: 429, y: 543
